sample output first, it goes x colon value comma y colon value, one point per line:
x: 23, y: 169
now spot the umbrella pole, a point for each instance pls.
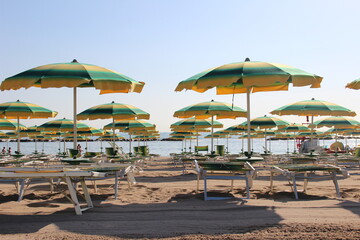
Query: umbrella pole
x: 265, y: 142
x: 130, y: 143
x: 35, y: 145
x: 197, y: 138
x: 43, y: 146
x: 75, y: 124
x: 248, y: 120
x: 18, y: 134
x: 113, y: 127
x: 212, y: 132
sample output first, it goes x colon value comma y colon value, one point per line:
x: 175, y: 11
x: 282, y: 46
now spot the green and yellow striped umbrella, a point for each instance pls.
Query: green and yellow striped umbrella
x: 7, y: 124
x: 62, y: 125
x: 249, y: 76
x: 89, y: 132
x: 211, y: 109
x: 73, y: 75
x: 196, y: 123
x: 130, y: 124
x: 294, y: 128
x: 116, y: 111
x: 266, y: 122
x: 337, y: 122
x: 313, y: 108
x: 23, y: 110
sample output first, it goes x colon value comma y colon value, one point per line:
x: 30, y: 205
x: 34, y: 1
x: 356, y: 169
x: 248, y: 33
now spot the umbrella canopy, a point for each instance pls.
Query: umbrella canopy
x: 73, y: 75
x: 354, y: 84
x: 130, y: 124
x: 23, y: 110
x: 294, y: 128
x: 247, y: 77
x: 266, y: 122
x: 196, y: 123
x: 337, y: 122
x: 313, y: 108
x: 62, y: 125
x: 116, y: 111
x: 7, y: 124
x: 211, y: 109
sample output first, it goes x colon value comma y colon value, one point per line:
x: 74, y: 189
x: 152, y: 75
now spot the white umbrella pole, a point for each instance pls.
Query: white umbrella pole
x: 130, y: 143
x: 43, y: 146
x: 248, y: 119
x: 212, y: 132
x: 113, y: 127
x: 18, y: 134
x: 197, y: 138
x: 36, y: 145
x: 265, y: 142
x: 75, y: 124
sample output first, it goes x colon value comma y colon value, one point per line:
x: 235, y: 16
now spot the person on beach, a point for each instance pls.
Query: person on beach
x: 79, y: 149
x: 9, y: 151
x: 3, y: 151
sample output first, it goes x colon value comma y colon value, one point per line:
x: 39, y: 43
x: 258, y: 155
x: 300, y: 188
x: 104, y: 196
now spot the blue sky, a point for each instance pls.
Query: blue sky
x: 162, y: 42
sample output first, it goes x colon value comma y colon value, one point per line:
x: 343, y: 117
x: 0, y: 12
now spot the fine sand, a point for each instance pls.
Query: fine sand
x: 164, y: 204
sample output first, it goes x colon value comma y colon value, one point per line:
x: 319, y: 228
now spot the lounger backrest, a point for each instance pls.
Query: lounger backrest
x: 201, y: 148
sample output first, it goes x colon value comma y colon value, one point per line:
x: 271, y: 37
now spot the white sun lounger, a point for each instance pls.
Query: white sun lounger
x: 70, y: 177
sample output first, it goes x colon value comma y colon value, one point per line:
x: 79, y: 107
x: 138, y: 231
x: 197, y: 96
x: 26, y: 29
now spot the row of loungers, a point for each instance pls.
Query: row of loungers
x: 73, y: 171
x: 291, y: 167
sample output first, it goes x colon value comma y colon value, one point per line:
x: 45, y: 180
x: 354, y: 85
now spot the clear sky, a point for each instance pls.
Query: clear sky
x: 162, y: 42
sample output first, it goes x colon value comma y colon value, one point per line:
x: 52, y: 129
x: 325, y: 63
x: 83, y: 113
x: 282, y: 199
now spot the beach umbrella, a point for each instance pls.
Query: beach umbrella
x: 313, y: 108
x: 337, y: 122
x: 63, y: 126
x: 114, y: 111
x: 23, y: 110
x: 249, y: 76
x: 87, y: 132
x: 196, y: 124
x: 7, y: 124
x: 73, y: 75
x: 124, y: 125
x: 211, y: 109
x: 354, y: 84
x: 294, y: 128
x: 266, y: 122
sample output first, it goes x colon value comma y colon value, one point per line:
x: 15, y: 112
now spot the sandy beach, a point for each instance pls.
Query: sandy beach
x: 164, y: 204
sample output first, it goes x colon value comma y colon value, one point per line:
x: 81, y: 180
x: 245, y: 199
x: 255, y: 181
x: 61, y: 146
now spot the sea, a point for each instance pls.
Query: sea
x: 165, y: 148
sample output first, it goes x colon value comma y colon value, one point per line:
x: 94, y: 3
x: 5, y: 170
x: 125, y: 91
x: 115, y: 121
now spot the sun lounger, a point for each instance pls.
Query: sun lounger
x: 306, y: 172
x: 70, y: 177
x: 224, y: 171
